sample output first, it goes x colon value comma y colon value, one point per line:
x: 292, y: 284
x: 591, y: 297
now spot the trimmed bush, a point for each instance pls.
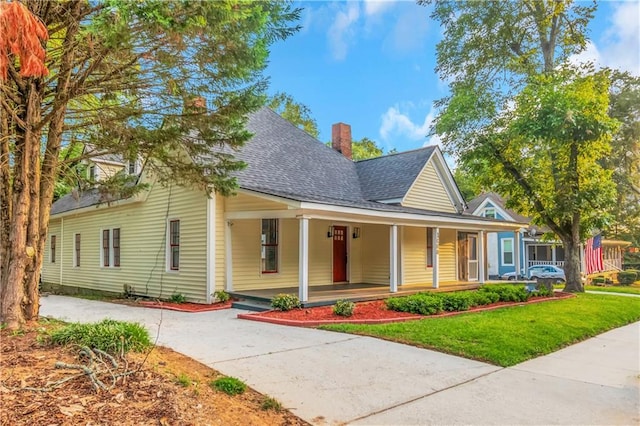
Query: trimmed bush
x: 221, y: 296
x: 421, y: 303
x: 108, y: 335
x: 507, y: 293
x: 460, y: 301
x: 627, y: 277
x: 285, y: 302
x: 598, y: 280
x: 229, y: 385
x: 344, y: 308
x: 484, y: 298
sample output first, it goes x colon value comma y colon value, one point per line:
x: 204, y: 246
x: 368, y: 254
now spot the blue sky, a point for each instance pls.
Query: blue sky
x: 371, y: 64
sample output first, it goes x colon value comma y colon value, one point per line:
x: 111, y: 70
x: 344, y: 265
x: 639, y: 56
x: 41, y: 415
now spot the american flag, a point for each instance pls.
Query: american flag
x: 593, y: 254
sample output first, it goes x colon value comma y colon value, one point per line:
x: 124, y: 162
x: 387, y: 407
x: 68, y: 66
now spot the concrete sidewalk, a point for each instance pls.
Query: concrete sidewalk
x: 332, y: 378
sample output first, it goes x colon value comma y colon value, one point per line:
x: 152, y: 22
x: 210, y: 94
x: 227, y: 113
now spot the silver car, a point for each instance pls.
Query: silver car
x: 539, y: 271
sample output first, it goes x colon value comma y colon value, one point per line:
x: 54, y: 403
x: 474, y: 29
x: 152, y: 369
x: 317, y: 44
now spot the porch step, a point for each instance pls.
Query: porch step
x: 252, y: 305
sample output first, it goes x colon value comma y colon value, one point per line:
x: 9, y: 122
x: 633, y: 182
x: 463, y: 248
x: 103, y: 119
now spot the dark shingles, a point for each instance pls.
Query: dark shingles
x: 391, y: 176
x: 498, y: 201
x: 79, y: 199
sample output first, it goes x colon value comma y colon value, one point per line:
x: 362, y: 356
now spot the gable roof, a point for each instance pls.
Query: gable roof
x: 284, y: 161
x: 474, y: 206
x: 390, y: 177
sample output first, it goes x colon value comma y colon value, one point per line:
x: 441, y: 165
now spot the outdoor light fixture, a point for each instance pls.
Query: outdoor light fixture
x: 356, y: 232
x: 330, y: 232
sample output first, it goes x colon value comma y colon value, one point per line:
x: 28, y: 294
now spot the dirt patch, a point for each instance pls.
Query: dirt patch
x: 167, y: 388
x: 374, y: 312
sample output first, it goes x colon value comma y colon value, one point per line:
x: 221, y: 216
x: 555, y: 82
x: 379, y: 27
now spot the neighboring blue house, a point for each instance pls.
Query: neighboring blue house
x: 525, y: 247
x: 502, y: 247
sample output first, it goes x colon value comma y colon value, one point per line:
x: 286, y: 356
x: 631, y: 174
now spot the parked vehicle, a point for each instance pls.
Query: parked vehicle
x: 539, y: 271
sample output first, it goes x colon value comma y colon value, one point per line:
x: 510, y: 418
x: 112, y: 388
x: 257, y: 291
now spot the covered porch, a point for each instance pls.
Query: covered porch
x: 324, y: 253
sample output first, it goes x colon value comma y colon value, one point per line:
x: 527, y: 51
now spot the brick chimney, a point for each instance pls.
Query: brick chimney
x: 341, y: 139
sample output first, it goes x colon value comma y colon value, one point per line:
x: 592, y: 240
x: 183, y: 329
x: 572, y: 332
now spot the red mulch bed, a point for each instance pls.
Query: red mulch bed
x: 374, y: 312
x: 184, y: 307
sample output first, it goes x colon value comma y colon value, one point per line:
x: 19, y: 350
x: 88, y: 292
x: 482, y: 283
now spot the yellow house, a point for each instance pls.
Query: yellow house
x: 306, y: 219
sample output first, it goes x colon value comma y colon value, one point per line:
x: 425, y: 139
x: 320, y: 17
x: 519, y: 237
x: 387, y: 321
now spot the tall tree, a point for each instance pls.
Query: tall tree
x: 152, y: 78
x: 624, y: 160
x: 504, y: 61
x: 296, y: 113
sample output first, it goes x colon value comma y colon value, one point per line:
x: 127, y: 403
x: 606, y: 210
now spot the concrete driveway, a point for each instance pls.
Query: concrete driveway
x: 332, y: 378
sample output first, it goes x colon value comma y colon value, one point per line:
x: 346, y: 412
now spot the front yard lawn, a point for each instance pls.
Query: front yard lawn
x: 616, y: 289
x: 512, y: 335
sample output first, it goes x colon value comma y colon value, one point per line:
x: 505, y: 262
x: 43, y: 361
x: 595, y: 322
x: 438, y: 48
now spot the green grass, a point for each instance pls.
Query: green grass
x: 108, y: 335
x: 511, y: 335
x: 634, y: 289
x: 229, y: 385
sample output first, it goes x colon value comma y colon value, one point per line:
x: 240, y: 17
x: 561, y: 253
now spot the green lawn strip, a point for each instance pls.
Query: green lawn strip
x: 511, y: 335
x: 617, y: 289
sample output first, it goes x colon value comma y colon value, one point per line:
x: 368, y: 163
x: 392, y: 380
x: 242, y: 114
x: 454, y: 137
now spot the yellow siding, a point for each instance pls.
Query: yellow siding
x: 375, y: 254
x: 429, y: 192
x: 246, y: 249
x: 320, y: 253
x: 355, y: 256
x: 105, y: 171
x: 414, y: 258
x: 221, y: 228
x: 242, y: 202
x: 143, y: 228
x: 447, y: 251
x: 51, y: 271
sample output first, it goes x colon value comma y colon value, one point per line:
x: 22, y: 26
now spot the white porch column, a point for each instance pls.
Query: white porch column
x: 228, y: 262
x: 435, y: 255
x: 516, y: 252
x: 393, y: 261
x: 211, y: 247
x: 481, y: 261
x: 303, y: 260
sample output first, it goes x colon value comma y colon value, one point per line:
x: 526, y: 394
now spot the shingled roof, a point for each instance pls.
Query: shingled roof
x: 284, y: 161
x: 498, y: 201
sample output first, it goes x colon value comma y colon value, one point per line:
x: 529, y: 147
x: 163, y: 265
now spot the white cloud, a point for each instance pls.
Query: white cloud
x: 341, y: 33
x: 409, y: 32
x: 619, y: 47
x: 397, y: 124
x: 374, y: 7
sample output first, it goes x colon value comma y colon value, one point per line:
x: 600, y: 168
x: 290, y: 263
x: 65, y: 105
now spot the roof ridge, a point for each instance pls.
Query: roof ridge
x: 423, y: 148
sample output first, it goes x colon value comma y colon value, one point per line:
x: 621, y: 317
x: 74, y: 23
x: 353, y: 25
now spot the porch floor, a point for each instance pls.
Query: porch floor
x: 328, y: 294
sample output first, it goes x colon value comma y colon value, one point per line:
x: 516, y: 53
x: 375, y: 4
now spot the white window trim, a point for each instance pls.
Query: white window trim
x: 493, y: 209
x: 111, y: 259
x: 279, y: 265
x: 502, y: 252
x: 167, y: 244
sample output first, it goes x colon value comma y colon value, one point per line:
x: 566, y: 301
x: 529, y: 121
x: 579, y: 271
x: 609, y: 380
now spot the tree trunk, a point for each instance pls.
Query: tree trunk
x: 572, y: 264
x: 27, y: 143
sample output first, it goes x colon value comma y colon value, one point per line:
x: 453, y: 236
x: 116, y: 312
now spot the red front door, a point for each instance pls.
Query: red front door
x: 339, y: 254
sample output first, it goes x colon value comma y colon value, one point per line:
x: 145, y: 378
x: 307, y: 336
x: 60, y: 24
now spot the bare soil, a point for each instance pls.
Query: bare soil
x: 164, y: 388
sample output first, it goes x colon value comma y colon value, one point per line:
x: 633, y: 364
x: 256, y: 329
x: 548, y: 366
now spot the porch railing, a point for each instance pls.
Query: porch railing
x: 612, y: 264
x: 558, y: 263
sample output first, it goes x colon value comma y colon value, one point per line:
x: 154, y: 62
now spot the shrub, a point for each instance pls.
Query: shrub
x: 485, y: 298
x: 542, y: 290
x: 344, y: 308
x: 421, y: 303
x: 221, y: 296
x: 270, y: 403
x: 460, y: 301
x: 108, y: 335
x: 627, y: 277
x: 229, y: 385
x: 598, y: 280
x: 508, y: 293
x: 285, y: 302
x: 178, y: 298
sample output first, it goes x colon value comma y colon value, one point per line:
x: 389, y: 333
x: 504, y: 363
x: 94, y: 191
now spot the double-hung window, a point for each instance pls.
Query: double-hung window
x: 53, y: 249
x: 507, y: 251
x: 174, y: 245
x: 269, y: 249
x: 110, y: 247
x: 76, y: 259
x: 429, y: 247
